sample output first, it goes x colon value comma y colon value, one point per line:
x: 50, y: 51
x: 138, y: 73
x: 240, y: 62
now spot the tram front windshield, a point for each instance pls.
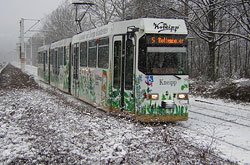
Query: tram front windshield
x: 163, y: 60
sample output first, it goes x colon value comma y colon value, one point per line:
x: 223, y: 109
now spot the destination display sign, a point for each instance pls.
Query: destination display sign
x: 158, y: 40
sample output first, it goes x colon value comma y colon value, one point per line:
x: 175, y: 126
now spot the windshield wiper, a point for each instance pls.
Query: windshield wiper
x: 177, y: 77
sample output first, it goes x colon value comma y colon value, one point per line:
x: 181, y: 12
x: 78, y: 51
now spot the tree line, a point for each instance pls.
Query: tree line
x: 219, y: 30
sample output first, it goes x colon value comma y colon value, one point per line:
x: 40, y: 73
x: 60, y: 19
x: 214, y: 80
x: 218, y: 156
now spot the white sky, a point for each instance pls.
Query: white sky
x: 11, y: 11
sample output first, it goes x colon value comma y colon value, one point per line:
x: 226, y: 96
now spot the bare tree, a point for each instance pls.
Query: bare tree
x: 221, y: 27
x: 206, y: 19
x: 102, y: 12
x: 60, y: 23
x: 156, y: 9
x: 123, y: 9
x: 240, y: 13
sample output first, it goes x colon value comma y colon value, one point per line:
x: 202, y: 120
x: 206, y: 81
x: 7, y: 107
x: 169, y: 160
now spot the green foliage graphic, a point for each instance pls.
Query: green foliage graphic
x: 184, y: 86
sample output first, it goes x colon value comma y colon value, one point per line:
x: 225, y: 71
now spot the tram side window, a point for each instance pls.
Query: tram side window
x: 56, y: 61
x: 117, y: 64
x: 83, y: 54
x: 41, y: 58
x: 76, y: 60
x: 64, y: 55
x: 60, y: 56
x: 129, y: 68
x: 103, y: 53
x: 142, y: 66
x: 38, y: 57
x: 52, y: 58
x: 44, y: 60
x: 46, y: 57
x: 53, y: 61
x: 92, y: 54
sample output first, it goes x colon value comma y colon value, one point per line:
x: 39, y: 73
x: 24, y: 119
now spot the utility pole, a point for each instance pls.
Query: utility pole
x: 22, y: 55
x: 22, y: 33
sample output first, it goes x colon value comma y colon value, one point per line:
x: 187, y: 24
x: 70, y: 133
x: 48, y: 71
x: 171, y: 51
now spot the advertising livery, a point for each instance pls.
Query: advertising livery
x: 137, y: 66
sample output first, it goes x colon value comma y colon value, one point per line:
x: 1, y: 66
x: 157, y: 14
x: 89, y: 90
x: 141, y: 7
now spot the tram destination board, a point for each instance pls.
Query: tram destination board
x: 166, y: 40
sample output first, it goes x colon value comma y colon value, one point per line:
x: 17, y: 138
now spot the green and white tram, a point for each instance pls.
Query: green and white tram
x: 43, y: 63
x: 136, y: 66
x: 60, y: 64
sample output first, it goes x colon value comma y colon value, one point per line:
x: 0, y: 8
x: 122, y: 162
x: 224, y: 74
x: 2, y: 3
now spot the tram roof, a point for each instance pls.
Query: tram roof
x: 44, y: 47
x: 61, y: 43
x: 146, y: 25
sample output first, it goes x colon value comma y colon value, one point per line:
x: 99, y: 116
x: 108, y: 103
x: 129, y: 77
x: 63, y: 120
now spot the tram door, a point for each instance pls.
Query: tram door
x: 75, y: 90
x: 123, y: 58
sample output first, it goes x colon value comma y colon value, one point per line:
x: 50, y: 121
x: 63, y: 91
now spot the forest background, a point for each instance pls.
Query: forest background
x: 219, y: 30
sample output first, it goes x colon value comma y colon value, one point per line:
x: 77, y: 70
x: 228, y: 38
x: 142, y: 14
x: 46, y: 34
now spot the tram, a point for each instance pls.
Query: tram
x: 60, y: 68
x: 139, y: 67
x: 43, y: 63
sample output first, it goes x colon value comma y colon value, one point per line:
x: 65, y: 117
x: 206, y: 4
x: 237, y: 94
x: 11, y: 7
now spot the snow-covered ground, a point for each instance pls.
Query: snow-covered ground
x: 223, y: 125
x: 226, y: 128
x: 42, y: 125
x: 38, y: 123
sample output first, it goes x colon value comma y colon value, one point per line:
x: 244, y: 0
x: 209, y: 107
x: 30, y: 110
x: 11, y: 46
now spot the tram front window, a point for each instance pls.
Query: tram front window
x: 163, y: 61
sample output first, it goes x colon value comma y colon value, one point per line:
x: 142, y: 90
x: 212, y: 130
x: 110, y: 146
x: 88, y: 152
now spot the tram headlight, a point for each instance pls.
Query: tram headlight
x: 153, y: 96
x: 182, y: 96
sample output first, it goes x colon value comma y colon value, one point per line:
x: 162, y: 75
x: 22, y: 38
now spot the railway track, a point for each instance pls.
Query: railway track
x: 223, y: 118
x: 216, y: 138
x: 226, y: 113
x: 228, y: 106
x: 201, y: 110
